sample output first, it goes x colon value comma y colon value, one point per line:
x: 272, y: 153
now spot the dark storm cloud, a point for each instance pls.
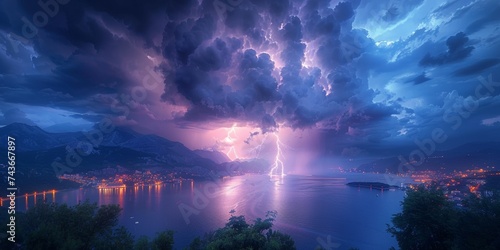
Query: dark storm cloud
x: 477, y: 67
x: 333, y: 51
x: 202, y: 52
x: 292, y: 87
x: 137, y: 16
x: 216, y: 56
x: 200, y: 71
x: 419, y: 79
x: 278, y: 9
x: 246, y: 22
x: 5, y: 65
x: 391, y: 14
x: 343, y: 11
x: 304, y: 103
x: 63, y: 90
x: 251, y: 136
x: 256, y: 77
x: 253, y: 86
x: 220, y: 65
x: 457, y: 50
x: 268, y: 124
x: 22, y: 90
x: 490, y: 18
x: 85, y: 50
x: 181, y: 39
x: 444, y: 7
x: 398, y: 10
x: 315, y: 25
x: 88, y: 117
x: 86, y: 73
x: 387, y: 12
x: 349, y: 103
x: 267, y: 64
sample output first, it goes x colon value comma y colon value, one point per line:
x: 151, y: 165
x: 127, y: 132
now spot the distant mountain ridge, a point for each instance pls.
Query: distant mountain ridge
x: 30, y: 138
x: 37, y: 149
x: 215, y: 156
x: 463, y: 157
x: 159, y: 150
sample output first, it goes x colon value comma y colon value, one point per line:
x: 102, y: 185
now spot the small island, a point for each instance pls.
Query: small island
x: 372, y: 185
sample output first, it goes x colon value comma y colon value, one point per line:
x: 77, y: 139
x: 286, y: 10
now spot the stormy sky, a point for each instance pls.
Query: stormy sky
x: 336, y: 80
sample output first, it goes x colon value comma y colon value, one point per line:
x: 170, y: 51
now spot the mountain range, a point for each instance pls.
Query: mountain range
x: 37, y: 150
x: 215, y: 156
x: 463, y: 157
x: 121, y: 146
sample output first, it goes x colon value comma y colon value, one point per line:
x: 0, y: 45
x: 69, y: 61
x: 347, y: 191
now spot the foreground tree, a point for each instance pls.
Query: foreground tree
x: 427, y: 221
x: 142, y: 243
x: 86, y: 226
x: 238, y: 234
x: 479, y: 223
x: 164, y: 241
x: 83, y: 226
x: 118, y: 239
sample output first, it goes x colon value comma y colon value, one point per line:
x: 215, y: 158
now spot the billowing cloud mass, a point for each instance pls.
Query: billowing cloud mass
x: 365, y: 77
x: 457, y: 50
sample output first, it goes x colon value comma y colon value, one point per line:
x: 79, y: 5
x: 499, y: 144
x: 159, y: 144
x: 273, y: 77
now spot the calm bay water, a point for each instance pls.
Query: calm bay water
x: 309, y: 208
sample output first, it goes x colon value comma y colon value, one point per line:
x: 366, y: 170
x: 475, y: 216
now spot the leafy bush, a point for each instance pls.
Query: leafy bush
x: 429, y: 221
x: 238, y: 234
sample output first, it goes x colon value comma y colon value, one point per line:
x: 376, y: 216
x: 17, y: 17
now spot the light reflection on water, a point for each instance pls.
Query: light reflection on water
x: 308, y: 207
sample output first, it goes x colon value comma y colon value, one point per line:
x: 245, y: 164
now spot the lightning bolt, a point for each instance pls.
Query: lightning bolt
x: 229, y: 140
x: 278, y: 162
x: 258, y: 148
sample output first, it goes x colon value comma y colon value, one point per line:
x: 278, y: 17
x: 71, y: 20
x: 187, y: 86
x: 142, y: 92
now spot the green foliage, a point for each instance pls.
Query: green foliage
x: 238, y: 234
x: 83, y: 226
x: 479, y: 223
x: 196, y: 244
x: 86, y: 226
x: 142, y: 243
x: 163, y: 241
x: 429, y: 221
x: 425, y: 221
x: 118, y: 239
